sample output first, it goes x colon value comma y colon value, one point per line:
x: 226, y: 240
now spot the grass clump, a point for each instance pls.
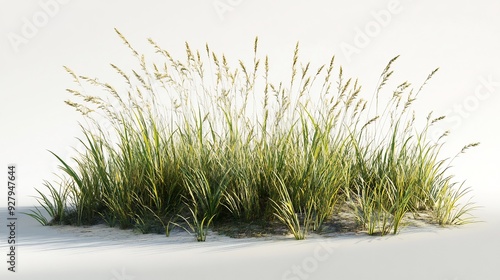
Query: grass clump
x: 180, y: 145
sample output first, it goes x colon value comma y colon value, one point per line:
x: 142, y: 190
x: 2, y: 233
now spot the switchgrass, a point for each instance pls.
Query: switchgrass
x: 205, y: 140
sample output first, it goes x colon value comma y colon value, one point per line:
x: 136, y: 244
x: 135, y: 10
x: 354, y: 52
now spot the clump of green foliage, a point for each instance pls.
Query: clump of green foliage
x: 191, y: 142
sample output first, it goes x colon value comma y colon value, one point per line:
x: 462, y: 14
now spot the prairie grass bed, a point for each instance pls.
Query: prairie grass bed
x: 205, y: 142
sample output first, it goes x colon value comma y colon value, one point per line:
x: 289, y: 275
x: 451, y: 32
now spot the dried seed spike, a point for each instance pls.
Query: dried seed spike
x: 75, y: 77
x: 242, y: 65
x: 224, y: 61
x: 296, y: 54
x: 369, y: 122
x: 266, y: 65
x: 189, y: 53
x: 117, y: 69
x: 207, y: 49
x: 126, y: 42
x: 216, y: 61
x: 305, y: 70
x: 426, y: 80
x: 256, y: 66
x: 320, y: 69
x: 255, y: 44
x: 198, y: 56
x: 437, y: 119
x: 468, y: 146
x: 294, y: 63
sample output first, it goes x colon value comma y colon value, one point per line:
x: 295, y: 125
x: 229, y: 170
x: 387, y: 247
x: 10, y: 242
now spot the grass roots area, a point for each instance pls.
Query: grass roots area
x: 204, y: 142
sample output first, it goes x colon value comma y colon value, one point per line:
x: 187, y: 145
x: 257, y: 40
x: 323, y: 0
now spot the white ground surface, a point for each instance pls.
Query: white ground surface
x: 99, y: 252
x: 461, y: 37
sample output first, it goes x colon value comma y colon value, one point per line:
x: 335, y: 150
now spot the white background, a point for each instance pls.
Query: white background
x: 38, y: 38
x: 461, y: 37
